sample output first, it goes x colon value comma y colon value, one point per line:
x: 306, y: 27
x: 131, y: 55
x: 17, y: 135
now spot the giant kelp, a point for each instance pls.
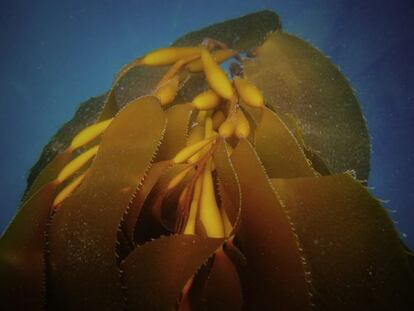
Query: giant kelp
x: 192, y: 191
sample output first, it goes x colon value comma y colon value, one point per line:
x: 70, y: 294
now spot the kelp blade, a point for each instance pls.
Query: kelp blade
x: 278, y: 149
x: 152, y: 177
x: 243, y: 34
x: 223, y: 288
x: 156, y: 272
x: 351, y: 246
x: 48, y: 174
x: 83, y: 234
x: 276, y: 277
x: 22, y: 255
x: 299, y: 80
x: 231, y: 200
x: 178, y: 119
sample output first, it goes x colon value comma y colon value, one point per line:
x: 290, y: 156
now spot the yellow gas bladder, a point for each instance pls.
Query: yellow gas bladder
x: 218, y: 119
x: 242, y: 129
x: 248, y: 92
x: 191, y: 150
x: 77, y: 163
x: 68, y: 190
x: 195, y: 202
x: 228, y: 127
x: 168, y: 56
x: 216, y: 77
x: 219, y: 56
x: 167, y: 92
x: 206, y: 100
x: 89, y: 134
x: 209, y: 212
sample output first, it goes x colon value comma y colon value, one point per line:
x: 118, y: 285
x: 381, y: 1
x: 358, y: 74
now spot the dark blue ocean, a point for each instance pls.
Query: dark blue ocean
x: 56, y: 54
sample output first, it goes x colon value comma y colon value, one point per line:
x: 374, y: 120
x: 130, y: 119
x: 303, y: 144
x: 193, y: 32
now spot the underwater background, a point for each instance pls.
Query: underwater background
x: 55, y: 55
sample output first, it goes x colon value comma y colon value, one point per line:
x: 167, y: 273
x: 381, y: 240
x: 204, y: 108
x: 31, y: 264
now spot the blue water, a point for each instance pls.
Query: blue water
x: 56, y: 54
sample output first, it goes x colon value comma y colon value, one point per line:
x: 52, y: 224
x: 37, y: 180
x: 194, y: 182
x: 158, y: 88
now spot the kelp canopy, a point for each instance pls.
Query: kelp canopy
x: 185, y: 189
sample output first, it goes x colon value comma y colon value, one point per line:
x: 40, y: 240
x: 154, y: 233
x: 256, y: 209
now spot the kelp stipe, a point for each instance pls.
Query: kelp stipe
x: 193, y: 190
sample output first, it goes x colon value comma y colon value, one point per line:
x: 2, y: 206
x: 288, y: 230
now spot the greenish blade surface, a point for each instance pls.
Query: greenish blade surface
x: 83, y: 234
x: 276, y: 277
x: 278, y: 149
x: 110, y: 107
x: 137, y: 82
x: 156, y: 272
x: 229, y: 183
x: 242, y: 34
x: 298, y: 80
x: 178, y: 118
x: 351, y: 246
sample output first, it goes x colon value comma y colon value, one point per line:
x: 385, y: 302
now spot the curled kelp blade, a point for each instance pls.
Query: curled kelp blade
x: 163, y: 204
x: 87, y: 114
x: 22, y: 254
x: 176, y: 258
x: 130, y: 218
x: 351, y: 246
x: 277, y: 274
x: 48, y: 174
x: 316, y: 161
x: 223, y: 288
x: 178, y: 118
x: 83, y: 233
x: 297, y: 79
x: 110, y: 107
x: 231, y: 199
x: 278, y: 149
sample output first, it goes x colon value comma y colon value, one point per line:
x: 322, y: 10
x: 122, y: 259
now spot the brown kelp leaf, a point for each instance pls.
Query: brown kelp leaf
x: 228, y: 181
x: 139, y: 81
x: 193, y: 300
x: 278, y: 149
x: 178, y: 118
x: 152, y: 177
x: 223, y: 288
x: 297, y: 79
x: 238, y: 259
x: 194, y: 85
x: 87, y: 114
x: 157, y: 215
x: 277, y: 274
x: 168, y: 182
x: 242, y: 34
x: 318, y: 164
x: 49, y: 173
x: 110, y: 107
x: 156, y: 272
x: 22, y: 251
x: 351, y: 245
x: 83, y: 233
